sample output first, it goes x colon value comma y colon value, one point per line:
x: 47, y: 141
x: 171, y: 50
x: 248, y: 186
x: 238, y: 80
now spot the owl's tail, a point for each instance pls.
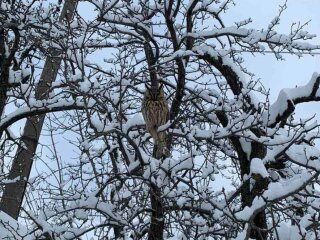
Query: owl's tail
x: 162, y: 149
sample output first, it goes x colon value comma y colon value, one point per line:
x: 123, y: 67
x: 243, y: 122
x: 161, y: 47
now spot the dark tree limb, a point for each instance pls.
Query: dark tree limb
x: 309, y: 97
x: 5, y: 62
x: 13, y: 194
x: 257, y: 149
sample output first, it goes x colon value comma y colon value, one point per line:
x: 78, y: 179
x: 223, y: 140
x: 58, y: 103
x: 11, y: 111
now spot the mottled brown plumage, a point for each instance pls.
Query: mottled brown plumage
x: 155, y: 112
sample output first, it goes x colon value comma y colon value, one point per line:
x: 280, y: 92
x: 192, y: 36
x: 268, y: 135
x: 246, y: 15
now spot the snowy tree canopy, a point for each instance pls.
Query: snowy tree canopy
x: 240, y: 166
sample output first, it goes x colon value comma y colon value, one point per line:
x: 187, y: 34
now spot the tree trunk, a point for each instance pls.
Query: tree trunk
x: 4, y: 74
x: 261, y: 184
x: 157, y: 217
x: 13, y: 194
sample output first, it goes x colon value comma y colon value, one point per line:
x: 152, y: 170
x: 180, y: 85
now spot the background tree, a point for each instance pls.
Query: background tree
x: 14, y: 191
x: 221, y: 125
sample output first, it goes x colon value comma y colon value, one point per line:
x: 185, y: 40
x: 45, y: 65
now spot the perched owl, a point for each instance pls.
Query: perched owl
x: 155, y: 113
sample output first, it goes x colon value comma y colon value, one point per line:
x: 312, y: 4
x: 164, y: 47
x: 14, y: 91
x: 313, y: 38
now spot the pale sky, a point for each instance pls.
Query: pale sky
x: 293, y: 71
x: 274, y: 74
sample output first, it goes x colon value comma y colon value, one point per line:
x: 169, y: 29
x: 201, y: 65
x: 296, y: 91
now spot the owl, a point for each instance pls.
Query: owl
x: 155, y: 113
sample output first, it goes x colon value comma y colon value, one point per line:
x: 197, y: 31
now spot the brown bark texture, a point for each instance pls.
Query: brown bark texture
x: 14, y: 191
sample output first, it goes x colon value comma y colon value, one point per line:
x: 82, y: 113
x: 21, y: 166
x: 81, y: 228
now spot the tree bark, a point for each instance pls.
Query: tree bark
x: 157, y: 217
x: 258, y: 150
x: 13, y: 194
x: 261, y: 184
x: 4, y: 74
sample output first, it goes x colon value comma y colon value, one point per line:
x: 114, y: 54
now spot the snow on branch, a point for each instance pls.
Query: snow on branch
x: 252, y: 36
x: 284, y: 106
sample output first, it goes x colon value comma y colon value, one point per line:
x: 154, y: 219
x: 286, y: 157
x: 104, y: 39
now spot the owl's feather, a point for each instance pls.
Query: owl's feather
x: 155, y: 112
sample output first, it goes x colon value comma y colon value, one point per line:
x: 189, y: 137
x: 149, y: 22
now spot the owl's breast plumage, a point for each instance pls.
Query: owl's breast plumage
x: 155, y: 113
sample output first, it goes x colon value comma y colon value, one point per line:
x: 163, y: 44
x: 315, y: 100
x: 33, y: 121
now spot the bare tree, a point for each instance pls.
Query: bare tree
x: 221, y: 125
x: 19, y: 174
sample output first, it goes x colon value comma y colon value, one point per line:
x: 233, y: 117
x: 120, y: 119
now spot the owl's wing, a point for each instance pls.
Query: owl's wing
x: 168, y: 116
